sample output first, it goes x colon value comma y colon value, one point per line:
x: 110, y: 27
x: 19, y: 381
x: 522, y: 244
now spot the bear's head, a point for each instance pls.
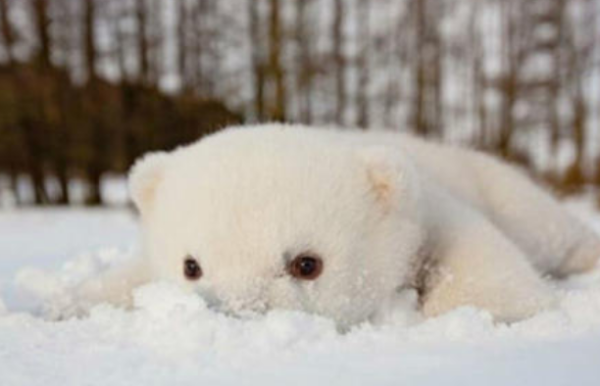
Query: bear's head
x: 281, y: 217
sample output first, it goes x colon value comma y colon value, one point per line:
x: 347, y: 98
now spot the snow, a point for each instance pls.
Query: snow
x: 172, y: 338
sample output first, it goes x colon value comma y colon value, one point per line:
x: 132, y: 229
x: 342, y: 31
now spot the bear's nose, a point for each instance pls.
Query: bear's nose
x: 210, y: 298
x: 236, y: 301
x: 241, y: 306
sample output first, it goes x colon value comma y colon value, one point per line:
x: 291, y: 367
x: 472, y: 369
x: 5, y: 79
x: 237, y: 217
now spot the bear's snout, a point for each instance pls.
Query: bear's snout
x: 236, y: 302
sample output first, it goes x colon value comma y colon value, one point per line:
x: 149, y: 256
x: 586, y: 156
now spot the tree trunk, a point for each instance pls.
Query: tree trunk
x: 35, y: 161
x: 89, y: 39
x: 182, y: 47
x: 6, y: 31
x: 94, y: 180
x: 419, y: 72
x: 362, y: 102
x: 14, y: 183
x: 509, y: 81
x: 141, y: 16
x: 39, y: 188
x: 478, y: 81
x: 305, y: 72
x: 256, y: 59
x: 278, y: 97
x: 339, y: 61
x: 42, y: 31
x: 63, y: 180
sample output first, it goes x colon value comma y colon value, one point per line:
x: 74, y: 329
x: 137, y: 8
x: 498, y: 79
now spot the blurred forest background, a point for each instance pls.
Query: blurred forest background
x: 86, y: 86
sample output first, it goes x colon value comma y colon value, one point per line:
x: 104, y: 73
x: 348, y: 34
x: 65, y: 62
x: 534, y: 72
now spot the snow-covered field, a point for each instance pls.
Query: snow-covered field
x: 171, y: 338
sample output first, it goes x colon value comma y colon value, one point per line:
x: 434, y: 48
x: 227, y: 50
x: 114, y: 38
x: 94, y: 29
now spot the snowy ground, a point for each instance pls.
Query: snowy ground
x: 171, y: 338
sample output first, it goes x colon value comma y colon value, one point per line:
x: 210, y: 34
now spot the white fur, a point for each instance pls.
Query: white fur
x: 385, y: 211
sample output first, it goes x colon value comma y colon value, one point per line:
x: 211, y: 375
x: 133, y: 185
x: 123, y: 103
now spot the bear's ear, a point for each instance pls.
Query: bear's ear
x: 389, y: 175
x: 144, y: 177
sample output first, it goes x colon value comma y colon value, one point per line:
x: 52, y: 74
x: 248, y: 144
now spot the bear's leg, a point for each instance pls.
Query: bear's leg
x: 555, y: 241
x: 474, y: 264
x: 582, y: 257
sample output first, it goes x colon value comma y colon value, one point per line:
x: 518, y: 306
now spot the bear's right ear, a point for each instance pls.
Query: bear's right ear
x: 390, y: 175
x: 144, y: 177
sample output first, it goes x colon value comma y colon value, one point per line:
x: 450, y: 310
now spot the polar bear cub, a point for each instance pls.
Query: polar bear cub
x: 337, y: 222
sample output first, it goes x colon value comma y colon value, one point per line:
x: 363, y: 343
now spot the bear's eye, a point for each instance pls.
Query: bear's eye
x: 191, y: 269
x: 306, y: 266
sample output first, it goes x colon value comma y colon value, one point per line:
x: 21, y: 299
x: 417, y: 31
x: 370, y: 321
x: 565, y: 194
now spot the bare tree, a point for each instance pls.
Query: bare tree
x: 201, y: 13
x: 362, y: 64
x: 6, y: 30
x: 427, y: 77
x: 580, y: 47
x: 554, y: 19
x: 89, y: 38
x: 305, y: 76
x: 275, y: 71
x: 257, y: 59
x: 42, y: 32
x: 478, y: 79
x: 508, y: 83
x: 516, y: 76
x: 143, y: 44
x: 181, y: 42
x: 339, y: 60
x: 96, y: 129
x: 117, y: 13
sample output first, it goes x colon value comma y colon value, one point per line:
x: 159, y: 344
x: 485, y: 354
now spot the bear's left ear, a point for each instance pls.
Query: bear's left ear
x: 389, y: 174
x: 144, y: 177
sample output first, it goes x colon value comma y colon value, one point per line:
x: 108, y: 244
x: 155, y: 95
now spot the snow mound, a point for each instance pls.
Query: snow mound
x: 578, y: 311
x: 172, y: 337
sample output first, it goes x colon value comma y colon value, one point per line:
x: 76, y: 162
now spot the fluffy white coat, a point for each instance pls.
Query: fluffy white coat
x: 385, y: 211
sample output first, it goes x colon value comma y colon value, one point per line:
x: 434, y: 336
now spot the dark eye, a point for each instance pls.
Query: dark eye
x: 306, y: 267
x: 191, y: 269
